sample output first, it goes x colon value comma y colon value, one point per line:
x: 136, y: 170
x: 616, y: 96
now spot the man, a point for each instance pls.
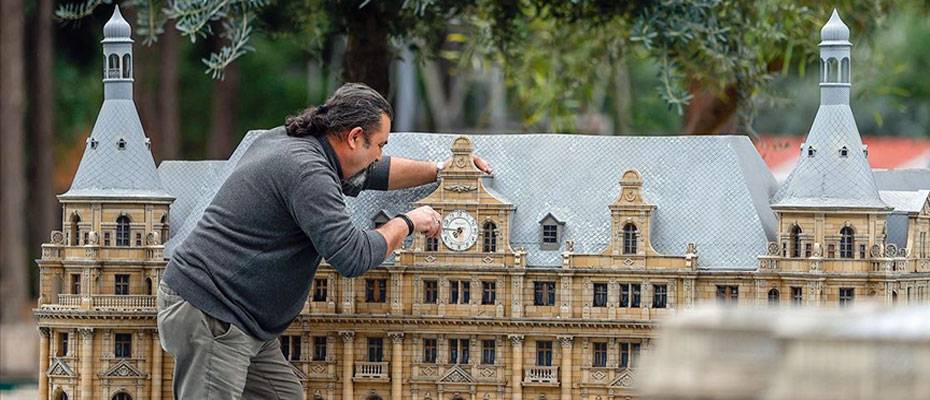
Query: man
x: 240, y: 278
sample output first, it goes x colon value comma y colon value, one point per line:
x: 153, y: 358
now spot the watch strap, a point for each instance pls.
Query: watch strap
x: 406, y: 219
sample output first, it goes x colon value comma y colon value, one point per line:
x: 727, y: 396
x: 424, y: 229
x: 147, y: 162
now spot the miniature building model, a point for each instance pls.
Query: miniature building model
x: 550, y: 278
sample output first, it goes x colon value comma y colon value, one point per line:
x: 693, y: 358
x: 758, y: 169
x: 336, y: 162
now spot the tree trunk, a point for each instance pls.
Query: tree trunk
x: 446, y: 106
x: 146, y: 62
x: 170, y: 121
x: 44, y: 211
x: 367, y: 58
x: 624, y: 97
x: 13, y: 263
x: 223, y: 109
x: 709, y: 113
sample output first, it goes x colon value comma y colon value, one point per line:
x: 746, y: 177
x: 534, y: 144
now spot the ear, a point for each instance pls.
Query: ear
x: 355, y: 137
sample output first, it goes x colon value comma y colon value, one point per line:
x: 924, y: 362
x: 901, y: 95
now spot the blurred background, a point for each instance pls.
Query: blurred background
x: 208, y: 71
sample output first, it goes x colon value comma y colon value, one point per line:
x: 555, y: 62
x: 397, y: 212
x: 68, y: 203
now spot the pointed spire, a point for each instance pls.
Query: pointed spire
x: 832, y: 169
x: 835, y: 29
x: 117, y: 29
x: 117, y: 161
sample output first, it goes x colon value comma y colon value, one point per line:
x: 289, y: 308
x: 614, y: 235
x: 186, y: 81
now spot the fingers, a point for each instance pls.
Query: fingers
x: 481, y: 164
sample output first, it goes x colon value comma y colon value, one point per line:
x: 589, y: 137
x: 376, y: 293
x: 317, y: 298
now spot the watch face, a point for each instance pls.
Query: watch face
x: 459, y: 230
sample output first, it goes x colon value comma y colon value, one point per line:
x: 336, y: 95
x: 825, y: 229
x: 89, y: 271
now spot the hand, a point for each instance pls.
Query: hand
x: 426, y: 220
x: 479, y: 162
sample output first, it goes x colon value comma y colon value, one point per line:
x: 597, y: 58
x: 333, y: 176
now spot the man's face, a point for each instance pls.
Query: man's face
x: 366, y: 152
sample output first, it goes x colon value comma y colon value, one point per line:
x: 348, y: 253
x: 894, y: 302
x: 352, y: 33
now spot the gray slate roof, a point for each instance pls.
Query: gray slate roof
x: 902, y: 179
x: 188, y: 181
x: 711, y: 190
x: 107, y: 171
x: 828, y: 179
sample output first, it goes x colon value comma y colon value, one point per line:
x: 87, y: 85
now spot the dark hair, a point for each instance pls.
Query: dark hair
x: 353, y: 104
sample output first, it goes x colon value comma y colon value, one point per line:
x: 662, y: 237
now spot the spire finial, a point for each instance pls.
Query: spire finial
x: 116, y: 27
x: 835, y: 29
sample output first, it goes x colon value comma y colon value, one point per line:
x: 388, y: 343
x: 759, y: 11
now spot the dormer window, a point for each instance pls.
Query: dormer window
x: 93, y: 143
x: 844, y: 152
x: 380, y: 219
x: 811, y: 151
x: 489, y: 231
x: 121, y: 144
x: 550, y: 232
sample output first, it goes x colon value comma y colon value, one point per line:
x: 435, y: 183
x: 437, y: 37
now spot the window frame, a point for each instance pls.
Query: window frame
x: 544, y: 293
x: 122, y: 345
x: 320, y: 289
x: 376, y: 290
x: 488, y: 292
x: 660, y: 298
x: 430, y: 291
x: 488, y: 352
x: 543, y: 353
x: 599, y: 355
x: 599, y: 292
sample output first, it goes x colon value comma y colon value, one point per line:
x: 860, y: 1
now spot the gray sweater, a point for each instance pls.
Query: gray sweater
x: 252, y: 256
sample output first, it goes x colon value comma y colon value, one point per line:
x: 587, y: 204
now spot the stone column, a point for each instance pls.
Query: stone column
x: 516, y: 375
x: 397, y: 364
x: 87, y: 362
x: 348, y: 363
x: 156, y: 366
x: 566, y: 367
x: 43, y: 362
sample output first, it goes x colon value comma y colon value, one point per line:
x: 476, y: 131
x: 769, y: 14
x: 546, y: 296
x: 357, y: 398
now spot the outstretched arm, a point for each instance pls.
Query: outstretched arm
x: 406, y: 173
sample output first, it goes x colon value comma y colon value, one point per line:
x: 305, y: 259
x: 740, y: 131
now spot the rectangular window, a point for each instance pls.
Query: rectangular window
x: 319, y: 348
x: 600, y: 295
x: 106, y: 238
x: 429, y: 351
x: 550, y: 234
x: 75, y: 283
x: 727, y: 294
x: 290, y: 347
x: 923, y: 244
x: 430, y: 291
x: 320, y: 289
x: 122, y: 345
x: 629, y: 354
x: 488, y: 352
x: 807, y: 250
x: 543, y: 353
x: 138, y: 239
x: 375, y: 290
x: 831, y: 251
x: 62, y: 344
x: 659, y: 296
x: 488, y: 292
x: 85, y: 237
x: 459, y: 292
x: 544, y: 293
x: 846, y: 296
x: 630, y: 295
x: 600, y: 355
x: 797, y: 295
x: 121, y: 286
x: 375, y: 349
x: 458, y: 351
x: 432, y: 244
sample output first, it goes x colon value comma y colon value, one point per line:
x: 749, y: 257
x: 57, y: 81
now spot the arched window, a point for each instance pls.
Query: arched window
x: 113, y: 66
x: 795, y: 241
x: 148, y: 286
x: 122, y: 231
x: 894, y: 297
x: 844, y: 152
x: 833, y: 70
x: 773, y: 296
x: 75, y: 231
x: 629, y: 238
x: 62, y: 396
x: 823, y: 71
x: 122, y: 396
x: 490, y: 237
x: 846, y: 242
x: 127, y: 66
x: 844, y: 70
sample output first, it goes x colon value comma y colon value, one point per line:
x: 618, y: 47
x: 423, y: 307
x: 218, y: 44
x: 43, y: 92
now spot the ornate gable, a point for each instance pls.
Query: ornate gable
x: 457, y: 375
x: 631, y: 211
x: 475, y: 219
x: 123, y: 369
x: 60, y: 368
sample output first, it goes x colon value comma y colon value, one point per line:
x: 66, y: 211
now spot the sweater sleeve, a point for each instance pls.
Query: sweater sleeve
x: 318, y: 206
x: 375, y: 177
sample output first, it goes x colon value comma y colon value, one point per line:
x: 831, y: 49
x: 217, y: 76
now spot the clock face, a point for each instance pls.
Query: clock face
x: 459, y: 230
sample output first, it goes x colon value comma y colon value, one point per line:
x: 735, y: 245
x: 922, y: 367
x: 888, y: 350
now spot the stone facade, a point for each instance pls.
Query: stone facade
x: 480, y: 323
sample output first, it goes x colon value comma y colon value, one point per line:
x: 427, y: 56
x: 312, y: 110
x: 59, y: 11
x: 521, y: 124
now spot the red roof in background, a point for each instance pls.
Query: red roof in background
x: 781, y: 152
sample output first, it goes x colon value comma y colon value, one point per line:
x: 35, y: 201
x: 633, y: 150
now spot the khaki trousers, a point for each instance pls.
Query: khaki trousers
x: 217, y: 360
